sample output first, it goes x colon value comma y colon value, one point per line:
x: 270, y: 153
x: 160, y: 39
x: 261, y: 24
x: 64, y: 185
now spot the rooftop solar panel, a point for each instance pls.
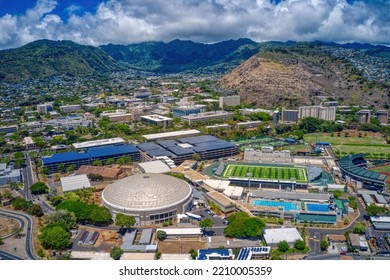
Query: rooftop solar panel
x: 65, y: 157
x: 167, y: 143
x: 198, y: 139
x: 112, y: 150
x: 148, y: 146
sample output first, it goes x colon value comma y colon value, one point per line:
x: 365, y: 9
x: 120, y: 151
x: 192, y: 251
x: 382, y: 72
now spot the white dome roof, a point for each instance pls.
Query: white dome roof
x: 145, y: 192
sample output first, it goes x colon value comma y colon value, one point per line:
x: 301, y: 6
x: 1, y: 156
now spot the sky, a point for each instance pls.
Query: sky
x: 98, y: 22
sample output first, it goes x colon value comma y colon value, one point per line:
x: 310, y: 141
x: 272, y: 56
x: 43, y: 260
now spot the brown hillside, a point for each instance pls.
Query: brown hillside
x: 292, y: 77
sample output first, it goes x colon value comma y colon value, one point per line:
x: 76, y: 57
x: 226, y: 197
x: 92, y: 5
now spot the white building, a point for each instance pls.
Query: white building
x: 99, y: 143
x: 29, y: 143
x: 155, y: 166
x: 229, y: 101
x: 74, y: 183
x: 208, y: 116
x: 44, y: 108
x: 275, y: 235
x: 158, y: 120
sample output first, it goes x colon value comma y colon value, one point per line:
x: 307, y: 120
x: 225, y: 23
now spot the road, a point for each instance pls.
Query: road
x: 8, y: 256
x: 28, y: 179
x: 29, y: 233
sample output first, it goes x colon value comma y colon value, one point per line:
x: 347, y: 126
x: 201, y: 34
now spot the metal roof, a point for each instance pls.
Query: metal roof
x: 65, y: 157
x: 198, y: 139
x: 157, y: 136
x: 156, y: 166
x: 112, y: 151
x: 275, y: 235
x: 146, y: 192
x: 72, y: 183
x: 347, y: 165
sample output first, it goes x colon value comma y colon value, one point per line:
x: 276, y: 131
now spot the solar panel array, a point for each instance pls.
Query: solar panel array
x: 248, y: 252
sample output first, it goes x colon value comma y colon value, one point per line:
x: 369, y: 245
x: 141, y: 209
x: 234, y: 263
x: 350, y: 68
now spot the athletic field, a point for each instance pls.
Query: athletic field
x: 265, y: 172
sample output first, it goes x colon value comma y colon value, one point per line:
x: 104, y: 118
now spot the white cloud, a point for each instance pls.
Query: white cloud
x: 129, y: 21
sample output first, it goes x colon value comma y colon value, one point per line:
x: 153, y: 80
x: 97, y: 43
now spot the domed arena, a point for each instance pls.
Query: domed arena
x: 151, y: 198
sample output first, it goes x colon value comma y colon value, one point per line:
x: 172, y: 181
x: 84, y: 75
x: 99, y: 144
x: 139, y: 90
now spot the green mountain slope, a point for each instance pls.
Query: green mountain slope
x: 46, y: 58
x: 180, y: 56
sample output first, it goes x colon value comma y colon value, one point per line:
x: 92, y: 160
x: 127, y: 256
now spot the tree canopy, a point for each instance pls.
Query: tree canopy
x: 241, y: 225
x: 206, y: 223
x: 39, y: 188
x: 161, y: 235
x: 359, y: 228
x: 374, y: 210
x: 300, y: 245
x: 56, y: 238
x: 123, y: 220
x: 283, y: 246
x: 89, y: 213
x: 116, y: 253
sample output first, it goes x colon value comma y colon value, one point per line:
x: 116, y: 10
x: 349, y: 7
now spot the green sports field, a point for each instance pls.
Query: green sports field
x: 265, y: 172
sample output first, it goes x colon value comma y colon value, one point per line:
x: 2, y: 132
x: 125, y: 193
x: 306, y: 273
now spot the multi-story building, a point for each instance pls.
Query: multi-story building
x: 158, y: 120
x: 289, y: 116
x: 7, y: 174
x: 9, y: 128
x: 29, y: 143
x: 275, y: 117
x: 364, y: 116
x: 229, y: 101
x: 44, y: 108
x: 248, y: 124
x: 186, y: 110
x: 99, y: 143
x: 208, y: 117
x: 137, y: 112
x: 117, y: 116
x: 250, y: 111
x: 382, y: 116
x: 319, y: 112
x: 89, y: 156
x: 70, y: 108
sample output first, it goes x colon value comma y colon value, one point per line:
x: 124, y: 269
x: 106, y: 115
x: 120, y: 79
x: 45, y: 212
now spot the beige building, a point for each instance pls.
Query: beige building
x: 229, y: 101
x: 319, y: 112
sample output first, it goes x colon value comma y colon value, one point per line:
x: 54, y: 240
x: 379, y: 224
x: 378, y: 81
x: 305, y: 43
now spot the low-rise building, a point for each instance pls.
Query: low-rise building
x: 29, y: 143
x: 274, y: 235
x: 208, y: 117
x: 74, y: 183
x: 70, y: 108
x: 8, y: 175
x: 9, y: 129
x: 186, y: 110
x: 117, y: 116
x: 289, y: 116
x: 157, y: 120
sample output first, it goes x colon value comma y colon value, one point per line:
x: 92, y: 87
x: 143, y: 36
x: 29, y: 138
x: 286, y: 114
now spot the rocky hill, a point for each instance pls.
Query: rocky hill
x: 301, y: 74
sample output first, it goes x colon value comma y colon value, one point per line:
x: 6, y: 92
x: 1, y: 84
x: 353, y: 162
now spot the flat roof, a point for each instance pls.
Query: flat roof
x: 95, y: 143
x: 232, y: 191
x: 217, y: 184
x: 76, y: 182
x: 220, y: 198
x: 156, y: 166
x: 171, y: 134
x: 182, y: 231
x: 380, y: 219
x: 157, y: 118
x: 207, y: 114
x: 275, y: 235
x: 291, y: 195
x: 65, y: 157
x: 112, y: 150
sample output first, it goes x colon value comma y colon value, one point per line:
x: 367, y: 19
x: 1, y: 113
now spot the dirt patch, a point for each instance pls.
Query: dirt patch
x: 7, y: 226
x: 179, y: 246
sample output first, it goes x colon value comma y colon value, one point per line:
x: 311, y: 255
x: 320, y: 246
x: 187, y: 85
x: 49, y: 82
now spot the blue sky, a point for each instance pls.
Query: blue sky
x: 97, y: 22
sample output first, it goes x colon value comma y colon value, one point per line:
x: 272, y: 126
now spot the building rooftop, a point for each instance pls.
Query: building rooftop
x: 157, y: 118
x: 156, y: 166
x: 147, y: 192
x: 275, y: 235
x: 172, y: 134
x: 73, y: 183
x: 96, y: 143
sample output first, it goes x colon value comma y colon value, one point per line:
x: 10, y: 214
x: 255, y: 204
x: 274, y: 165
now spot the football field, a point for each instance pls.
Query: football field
x: 265, y: 172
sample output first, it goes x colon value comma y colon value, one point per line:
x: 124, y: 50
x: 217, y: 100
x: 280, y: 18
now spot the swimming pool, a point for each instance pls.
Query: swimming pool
x: 317, y: 207
x: 288, y: 206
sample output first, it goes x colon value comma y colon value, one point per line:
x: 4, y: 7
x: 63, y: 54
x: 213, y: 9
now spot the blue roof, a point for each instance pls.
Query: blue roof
x: 167, y: 143
x: 148, y: 146
x: 65, y: 157
x: 179, y: 151
x: 215, y: 145
x: 112, y: 151
x: 159, y: 152
x: 198, y: 139
x: 204, y: 253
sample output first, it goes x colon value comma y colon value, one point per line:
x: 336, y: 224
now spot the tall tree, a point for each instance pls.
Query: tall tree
x: 123, y: 220
x: 116, y: 253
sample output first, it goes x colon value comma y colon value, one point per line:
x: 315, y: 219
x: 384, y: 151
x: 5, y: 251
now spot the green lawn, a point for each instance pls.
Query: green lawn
x: 265, y: 172
x: 383, y: 168
x: 346, y: 149
x: 325, y: 137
